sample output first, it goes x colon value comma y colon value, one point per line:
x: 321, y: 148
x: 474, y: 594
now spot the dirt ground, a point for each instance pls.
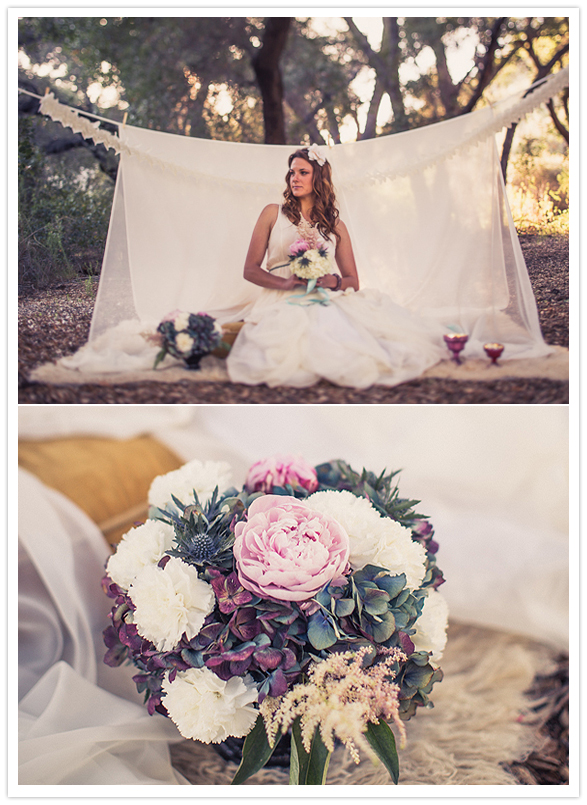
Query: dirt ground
x: 55, y: 321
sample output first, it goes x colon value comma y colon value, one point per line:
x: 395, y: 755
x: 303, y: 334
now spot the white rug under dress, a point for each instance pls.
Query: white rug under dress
x: 554, y: 366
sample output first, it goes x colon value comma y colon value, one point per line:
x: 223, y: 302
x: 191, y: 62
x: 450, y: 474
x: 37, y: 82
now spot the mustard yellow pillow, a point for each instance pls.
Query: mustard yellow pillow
x: 109, y: 479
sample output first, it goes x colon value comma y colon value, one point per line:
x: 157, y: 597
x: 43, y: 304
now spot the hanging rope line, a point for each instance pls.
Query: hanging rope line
x: 78, y: 111
x: 539, y: 92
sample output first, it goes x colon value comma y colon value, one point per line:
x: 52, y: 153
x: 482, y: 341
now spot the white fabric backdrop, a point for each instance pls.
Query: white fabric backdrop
x: 493, y: 479
x: 438, y: 240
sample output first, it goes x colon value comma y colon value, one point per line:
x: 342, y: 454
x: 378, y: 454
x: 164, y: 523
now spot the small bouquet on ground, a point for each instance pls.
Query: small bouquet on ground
x: 301, y: 608
x: 188, y: 337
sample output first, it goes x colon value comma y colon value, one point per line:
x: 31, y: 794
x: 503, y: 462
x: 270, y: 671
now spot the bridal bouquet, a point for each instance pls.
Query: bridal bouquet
x: 187, y: 336
x: 301, y: 608
x: 309, y: 262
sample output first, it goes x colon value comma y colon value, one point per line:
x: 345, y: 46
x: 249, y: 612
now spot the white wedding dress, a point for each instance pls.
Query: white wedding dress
x: 358, y: 339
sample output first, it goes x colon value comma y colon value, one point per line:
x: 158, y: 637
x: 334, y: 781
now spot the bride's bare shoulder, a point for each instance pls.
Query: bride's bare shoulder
x: 270, y: 211
x: 268, y: 217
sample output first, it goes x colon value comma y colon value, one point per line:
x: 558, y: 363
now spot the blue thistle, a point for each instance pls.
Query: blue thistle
x: 204, y: 534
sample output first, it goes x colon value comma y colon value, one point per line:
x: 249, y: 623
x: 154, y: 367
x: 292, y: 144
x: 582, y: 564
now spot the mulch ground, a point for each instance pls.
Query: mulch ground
x: 548, y: 712
x: 55, y: 321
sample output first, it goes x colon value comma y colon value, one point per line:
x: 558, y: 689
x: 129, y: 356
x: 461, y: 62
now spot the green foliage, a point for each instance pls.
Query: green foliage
x: 307, y: 768
x: 538, y: 174
x: 167, y: 70
x: 256, y: 752
x: 382, y: 742
x: 194, y: 76
x: 63, y: 211
x: 381, y: 491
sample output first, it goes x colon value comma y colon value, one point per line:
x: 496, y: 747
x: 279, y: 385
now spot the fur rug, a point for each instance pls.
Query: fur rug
x: 474, y: 730
x: 554, y: 366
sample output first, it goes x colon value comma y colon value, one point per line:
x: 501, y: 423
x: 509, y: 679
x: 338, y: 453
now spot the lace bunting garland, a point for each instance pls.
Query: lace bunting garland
x: 544, y: 91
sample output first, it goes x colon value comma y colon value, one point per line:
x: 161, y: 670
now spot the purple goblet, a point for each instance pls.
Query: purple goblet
x: 456, y: 344
x: 493, y: 351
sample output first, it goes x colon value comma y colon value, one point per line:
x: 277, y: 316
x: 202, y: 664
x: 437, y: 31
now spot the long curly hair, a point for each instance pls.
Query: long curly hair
x: 324, y: 212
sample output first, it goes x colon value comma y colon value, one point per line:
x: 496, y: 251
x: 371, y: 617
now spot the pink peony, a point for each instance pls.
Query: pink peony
x: 299, y: 247
x: 286, y: 551
x: 264, y: 475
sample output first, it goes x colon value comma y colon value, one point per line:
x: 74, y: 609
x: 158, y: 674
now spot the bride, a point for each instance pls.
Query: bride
x: 298, y: 333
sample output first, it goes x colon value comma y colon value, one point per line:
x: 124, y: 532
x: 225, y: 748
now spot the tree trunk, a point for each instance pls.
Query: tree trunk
x: 386, y: 65
x: 371, y: 124
x: 266, y: 67
x: 390, y: 49
x: 449, y: 92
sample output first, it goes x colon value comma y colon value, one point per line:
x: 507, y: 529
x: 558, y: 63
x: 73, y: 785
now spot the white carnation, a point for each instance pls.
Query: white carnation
x: 203, y: 476
x: 208, y: 709
x: 184, y: 342
x: 141, y: 546
x: 317, y: 267
x: 431, y: 625
x: 181, y: 321
x: 169, y: 602
x: 374, y: 539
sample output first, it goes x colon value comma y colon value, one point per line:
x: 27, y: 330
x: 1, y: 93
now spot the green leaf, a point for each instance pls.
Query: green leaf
x: 307, y: 768
x: 160, y: 355
x: 256, y: 752
x: 320, y: 632
x: 382, y: 741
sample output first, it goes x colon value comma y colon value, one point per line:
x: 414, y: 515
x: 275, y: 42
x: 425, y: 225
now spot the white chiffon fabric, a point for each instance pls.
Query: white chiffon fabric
x: 358, y: 338
x: 426, y: 210
x: 80, y: 722
x: 493, y: 479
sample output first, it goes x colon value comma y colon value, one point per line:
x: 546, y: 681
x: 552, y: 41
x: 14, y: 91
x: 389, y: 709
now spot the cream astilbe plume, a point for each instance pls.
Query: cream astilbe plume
x: 341, y: 698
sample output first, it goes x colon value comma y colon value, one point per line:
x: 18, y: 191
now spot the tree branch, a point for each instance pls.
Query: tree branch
x: 560, y: 127
x: 362, y: 41
x: 306, y: 116
x: 488, y: 64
